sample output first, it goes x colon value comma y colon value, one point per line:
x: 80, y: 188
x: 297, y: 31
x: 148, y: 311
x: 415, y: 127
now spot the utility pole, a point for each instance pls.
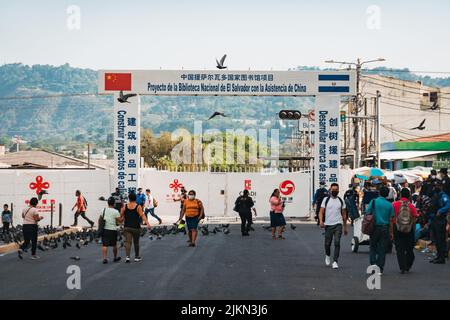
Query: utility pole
x: 378, y: 121
x: 358, y: 103
x: 89, y: 155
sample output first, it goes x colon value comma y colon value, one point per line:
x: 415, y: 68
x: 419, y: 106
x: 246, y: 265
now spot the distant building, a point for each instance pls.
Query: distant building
x: 432, y: 151
x: 40, y: 159
x: 403, y: 106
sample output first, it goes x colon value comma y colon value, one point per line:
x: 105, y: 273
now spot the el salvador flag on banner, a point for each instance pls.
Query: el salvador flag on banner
x: 334, y: 83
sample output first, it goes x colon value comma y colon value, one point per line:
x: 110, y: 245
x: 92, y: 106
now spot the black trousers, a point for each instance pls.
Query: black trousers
x: 83, y: 215
x: 404, y: 246
x: 5, y: 227
x: 330, y: 233
x: 379, y: 242
x: 438, y: 227
x: 246, y: 221
x: 30, y: 234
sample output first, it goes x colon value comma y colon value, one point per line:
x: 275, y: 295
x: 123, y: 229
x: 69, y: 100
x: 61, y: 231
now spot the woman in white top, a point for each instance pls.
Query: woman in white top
x: 30, y: 229
x: 109, y: 236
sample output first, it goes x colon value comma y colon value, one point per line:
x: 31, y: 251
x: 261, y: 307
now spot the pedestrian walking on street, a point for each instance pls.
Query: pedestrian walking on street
x: 406, y: 216
x: 243, y: 205
x: 119, y: 198
x: 319, y: 195
x: 81, y: 205
x: 194, y: 211
x: 383, y: 212
x: 7, y: 219
x: 333, y: 217
x: 30, y: 228
x: 277, y: 219
x: 111, y: 218
x: 131, y: 215
x: 150, y: 205
x: 351, y: 198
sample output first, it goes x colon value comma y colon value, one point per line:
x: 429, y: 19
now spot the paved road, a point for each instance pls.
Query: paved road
x: 222, y: 267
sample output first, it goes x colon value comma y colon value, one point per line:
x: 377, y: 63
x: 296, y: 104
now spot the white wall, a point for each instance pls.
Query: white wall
x: 210, y: 185
x: 218, y: 191
x: 15, y: 188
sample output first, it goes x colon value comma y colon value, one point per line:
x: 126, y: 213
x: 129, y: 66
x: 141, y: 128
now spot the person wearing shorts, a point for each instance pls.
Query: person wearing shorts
x: 109, y: 235
x: 194, y: 212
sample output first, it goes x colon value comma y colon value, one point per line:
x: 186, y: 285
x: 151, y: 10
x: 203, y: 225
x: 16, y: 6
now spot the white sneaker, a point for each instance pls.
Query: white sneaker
x: 127, y: 259
x: 335, y: 265
x: 35, y: 257
x: 137, y: 259
x: 327, y: 260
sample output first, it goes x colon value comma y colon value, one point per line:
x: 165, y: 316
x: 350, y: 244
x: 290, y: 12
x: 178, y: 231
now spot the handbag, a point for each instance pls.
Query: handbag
x: 101, y: 224
x: 368, y: 223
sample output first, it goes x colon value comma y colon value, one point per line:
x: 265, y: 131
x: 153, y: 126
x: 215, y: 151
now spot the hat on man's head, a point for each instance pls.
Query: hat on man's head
x: 322, y: 183
x: 433, y: 172
x: 443, y: 170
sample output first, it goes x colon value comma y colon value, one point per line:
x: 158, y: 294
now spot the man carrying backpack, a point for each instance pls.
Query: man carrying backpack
x: 243, y: 205
x: 81, y: 206
x: 319, y: 195
x: 405, y: 216
x: 383, y: 212
x: 351, y: 198
x: 333, y: 217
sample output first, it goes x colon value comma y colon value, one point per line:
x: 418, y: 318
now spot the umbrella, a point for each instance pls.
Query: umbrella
x: 365, y: 173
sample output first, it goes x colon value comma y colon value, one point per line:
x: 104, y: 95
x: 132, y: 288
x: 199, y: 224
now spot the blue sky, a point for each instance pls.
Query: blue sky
x: 255, y: 34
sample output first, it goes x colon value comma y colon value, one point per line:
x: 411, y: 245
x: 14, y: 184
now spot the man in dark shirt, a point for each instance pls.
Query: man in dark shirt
x: 244, y: 206
x: 351, y: 198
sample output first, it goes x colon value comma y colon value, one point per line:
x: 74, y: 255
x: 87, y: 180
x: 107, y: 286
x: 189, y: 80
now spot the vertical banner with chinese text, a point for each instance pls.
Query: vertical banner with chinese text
x: 327, y: 153
x: 127, y: 143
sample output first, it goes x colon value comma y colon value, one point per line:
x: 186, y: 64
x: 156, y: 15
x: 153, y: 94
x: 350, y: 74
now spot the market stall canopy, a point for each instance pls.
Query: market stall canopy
x: 365, y: 173
x: 406, y: 154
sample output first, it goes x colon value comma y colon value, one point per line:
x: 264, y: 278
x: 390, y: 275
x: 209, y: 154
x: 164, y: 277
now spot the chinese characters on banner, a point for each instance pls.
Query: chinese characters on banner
x: 127, y: 144
x: 327, y: 152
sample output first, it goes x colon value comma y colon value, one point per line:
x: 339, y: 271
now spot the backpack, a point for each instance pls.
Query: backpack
x: 85, y: 202
x: 368, y: 223
x: 321, y: 194
x: 404, y: 220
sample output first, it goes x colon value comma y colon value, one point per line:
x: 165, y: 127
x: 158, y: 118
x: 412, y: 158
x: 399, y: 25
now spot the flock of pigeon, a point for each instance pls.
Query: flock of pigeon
x: 85, y: 237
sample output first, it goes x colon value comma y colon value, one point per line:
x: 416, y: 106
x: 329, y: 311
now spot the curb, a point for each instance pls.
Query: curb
x: 10, y: 247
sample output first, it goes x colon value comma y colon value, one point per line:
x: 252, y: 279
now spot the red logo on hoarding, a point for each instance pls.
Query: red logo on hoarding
x: 248, y: 185
x: 39, y: 185
x: 287, y: 187
x: 175, y: 185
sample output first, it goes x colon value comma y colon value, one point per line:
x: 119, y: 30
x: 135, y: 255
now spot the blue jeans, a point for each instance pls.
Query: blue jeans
x: 152, y: 213
x: 379, y: 241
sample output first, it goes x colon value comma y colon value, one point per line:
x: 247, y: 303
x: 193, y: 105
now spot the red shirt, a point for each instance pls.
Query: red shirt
x: 398, y: 204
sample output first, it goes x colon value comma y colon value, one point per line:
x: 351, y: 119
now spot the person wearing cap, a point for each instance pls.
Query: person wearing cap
x: 111, y: 216
x: 445, y: 180
x: 427, y: 186
x: 319, y: 195
x: 439, y: 223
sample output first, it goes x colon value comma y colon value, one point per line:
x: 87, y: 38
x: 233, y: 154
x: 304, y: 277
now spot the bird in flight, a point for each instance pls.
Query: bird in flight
x: 220, y: 64
x: 421, y: 126
x: 124, y: 97
x: 215, y: 114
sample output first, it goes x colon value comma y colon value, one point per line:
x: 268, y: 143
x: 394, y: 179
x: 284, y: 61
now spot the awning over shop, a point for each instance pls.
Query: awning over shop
x: 407, y: 155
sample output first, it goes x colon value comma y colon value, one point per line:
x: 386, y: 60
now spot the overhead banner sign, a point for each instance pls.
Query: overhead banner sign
x: 327, y: 151
x: 127, y: 143
x: 226, y: 83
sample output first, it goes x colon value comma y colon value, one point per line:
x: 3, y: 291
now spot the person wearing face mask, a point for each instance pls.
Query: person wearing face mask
x: 427, y: 186
x: 194, y: 211
x: 383, y: 212
x: 333, y: 217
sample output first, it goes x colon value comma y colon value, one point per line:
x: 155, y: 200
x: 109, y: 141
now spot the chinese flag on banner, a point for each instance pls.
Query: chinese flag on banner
x: 118, y: 81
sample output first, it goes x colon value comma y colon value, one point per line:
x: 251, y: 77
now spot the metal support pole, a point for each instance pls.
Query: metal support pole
x: 60, y: 215
x: 378, y: 129
x: 51, y: 214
